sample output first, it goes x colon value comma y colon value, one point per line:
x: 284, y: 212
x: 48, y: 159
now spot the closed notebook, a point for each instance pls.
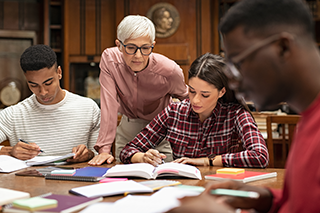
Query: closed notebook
x: 9, y: 195
x: 90, y: 174
x: 145, y: 170
x: 245, y: 177
x: 110, y: 189
x: 66, y: 204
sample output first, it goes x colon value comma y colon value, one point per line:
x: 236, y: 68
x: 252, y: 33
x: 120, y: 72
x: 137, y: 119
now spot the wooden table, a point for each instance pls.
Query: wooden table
x: 39, y: 185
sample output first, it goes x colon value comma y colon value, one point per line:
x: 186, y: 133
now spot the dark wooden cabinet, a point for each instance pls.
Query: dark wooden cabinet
x: 20, y: 27
x: 314, y: 6
x: 53, y: 27
x: 89, y: 28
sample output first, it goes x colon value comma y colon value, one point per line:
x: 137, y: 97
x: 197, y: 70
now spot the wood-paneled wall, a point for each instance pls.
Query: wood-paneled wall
x: 90, y: 27
x: 22, y: 15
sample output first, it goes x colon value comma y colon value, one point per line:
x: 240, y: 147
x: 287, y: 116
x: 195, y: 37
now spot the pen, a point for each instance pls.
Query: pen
x: 27, y: 143
x: 163, y: 161
x: 237, y: 193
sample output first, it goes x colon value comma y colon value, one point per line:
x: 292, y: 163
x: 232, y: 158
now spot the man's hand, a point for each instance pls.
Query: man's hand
x: 25, y: 151
x: 205, y: 203
x: 100, y: 159
x: 82, y: 153
x: 262, y: 204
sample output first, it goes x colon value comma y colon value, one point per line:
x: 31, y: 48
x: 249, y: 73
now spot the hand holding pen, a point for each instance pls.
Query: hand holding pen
x: 29, y: 143
x: 25, y: 151
x: 153, y: 157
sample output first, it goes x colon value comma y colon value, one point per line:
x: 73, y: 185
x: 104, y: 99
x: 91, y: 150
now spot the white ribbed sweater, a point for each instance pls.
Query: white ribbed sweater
x: 55, y: 128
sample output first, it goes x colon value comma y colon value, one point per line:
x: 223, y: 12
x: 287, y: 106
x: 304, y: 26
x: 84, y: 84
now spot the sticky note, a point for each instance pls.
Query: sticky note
x: 230, y: 171
x: 63, y: 172
x: 35, y: 203
x: 108, y: 180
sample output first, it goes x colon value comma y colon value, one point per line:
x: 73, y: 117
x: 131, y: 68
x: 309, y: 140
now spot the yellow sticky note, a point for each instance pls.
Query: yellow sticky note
x: 230, y: 171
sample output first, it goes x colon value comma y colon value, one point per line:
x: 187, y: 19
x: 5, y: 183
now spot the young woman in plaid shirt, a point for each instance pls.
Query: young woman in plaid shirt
x: 206, y: 129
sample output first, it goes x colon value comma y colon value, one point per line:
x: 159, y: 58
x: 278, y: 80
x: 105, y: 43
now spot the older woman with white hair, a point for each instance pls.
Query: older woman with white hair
x: 137, y: 83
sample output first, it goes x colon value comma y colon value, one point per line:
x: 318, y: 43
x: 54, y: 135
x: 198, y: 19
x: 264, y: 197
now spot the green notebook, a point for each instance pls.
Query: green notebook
x: 35, y: 203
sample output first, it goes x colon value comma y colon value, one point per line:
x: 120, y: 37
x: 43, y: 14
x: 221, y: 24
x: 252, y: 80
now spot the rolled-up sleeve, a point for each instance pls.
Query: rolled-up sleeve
x: 109, y: 108
x: 255, y: 152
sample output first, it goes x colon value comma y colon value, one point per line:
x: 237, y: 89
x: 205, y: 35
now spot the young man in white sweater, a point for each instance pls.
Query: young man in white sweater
x: 52, y: 118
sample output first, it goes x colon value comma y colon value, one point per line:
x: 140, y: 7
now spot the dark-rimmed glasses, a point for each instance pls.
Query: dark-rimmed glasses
x: 131, y: 49
x: 233, y: 67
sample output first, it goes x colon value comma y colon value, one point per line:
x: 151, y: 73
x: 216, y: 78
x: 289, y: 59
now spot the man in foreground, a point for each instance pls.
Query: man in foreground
x: 273, y: 57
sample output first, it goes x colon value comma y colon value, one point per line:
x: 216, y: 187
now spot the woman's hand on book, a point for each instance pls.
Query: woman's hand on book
x: 152, y: 156
x: 101, y: 158
x: 192, y: 161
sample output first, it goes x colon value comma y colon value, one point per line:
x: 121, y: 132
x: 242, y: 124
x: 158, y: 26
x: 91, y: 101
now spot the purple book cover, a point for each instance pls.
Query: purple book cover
x: 91, y: 171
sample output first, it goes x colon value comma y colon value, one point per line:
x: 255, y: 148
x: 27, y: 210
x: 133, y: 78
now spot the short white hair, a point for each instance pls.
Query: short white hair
x: 135, y: 26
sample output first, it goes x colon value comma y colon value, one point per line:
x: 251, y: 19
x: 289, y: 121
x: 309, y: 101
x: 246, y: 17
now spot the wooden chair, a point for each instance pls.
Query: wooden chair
x: 286, y: 127
x: 5, y: 143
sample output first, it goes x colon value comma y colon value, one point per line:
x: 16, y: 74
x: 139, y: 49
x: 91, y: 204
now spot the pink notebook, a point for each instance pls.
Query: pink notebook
x: 245, y: 177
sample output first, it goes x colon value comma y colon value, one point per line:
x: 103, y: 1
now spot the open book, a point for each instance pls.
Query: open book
x: 10, y: 164
x: 145, y: 170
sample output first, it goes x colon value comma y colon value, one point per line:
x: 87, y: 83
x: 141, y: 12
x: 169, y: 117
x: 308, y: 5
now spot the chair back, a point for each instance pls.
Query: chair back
x: 283, y: 136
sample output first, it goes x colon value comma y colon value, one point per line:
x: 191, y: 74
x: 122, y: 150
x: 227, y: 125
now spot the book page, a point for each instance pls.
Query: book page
x: 143, y: 170
x: 41, y: 160
x: 10, y: 164
x: 161, y: 201
x: 178, y: 169
x: 112, y: 188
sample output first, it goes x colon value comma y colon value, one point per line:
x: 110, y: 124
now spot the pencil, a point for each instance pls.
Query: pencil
x: 27, y: 143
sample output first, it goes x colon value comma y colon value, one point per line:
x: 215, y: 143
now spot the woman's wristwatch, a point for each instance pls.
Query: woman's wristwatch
x: 211, y: 158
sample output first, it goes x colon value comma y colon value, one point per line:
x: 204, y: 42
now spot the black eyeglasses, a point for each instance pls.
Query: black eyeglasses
x: 233, y: 66
x: 131, y: 49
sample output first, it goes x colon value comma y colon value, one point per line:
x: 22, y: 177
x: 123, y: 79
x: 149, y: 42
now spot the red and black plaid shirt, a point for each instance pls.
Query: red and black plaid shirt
x: 219, y: 134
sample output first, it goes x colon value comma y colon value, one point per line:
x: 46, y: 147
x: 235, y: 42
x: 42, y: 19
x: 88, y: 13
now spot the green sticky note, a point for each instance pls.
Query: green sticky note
x: 191, y: 188
x: 35, y: 203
